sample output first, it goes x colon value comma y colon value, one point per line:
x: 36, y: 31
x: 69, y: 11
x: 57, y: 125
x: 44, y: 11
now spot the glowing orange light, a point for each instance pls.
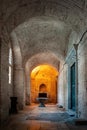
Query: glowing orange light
x: 44, y: 71
x: 44, y: 79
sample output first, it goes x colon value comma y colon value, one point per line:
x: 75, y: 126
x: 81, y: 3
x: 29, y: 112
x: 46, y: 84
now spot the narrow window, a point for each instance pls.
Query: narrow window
x: 10, y: 66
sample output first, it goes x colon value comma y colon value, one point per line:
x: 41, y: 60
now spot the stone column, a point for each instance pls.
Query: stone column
x: 18, y: 73
x: 19, y: 86
x: 62, y: 85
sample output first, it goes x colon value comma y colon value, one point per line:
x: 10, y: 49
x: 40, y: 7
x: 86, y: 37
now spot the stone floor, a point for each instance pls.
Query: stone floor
x: 42, y: 118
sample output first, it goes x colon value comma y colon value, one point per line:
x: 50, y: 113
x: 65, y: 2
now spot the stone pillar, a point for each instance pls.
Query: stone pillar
x: 27, y: 88
x: 60, y: 89
x: 65, y: 79
x: 18, y: 74
x: 19, y: 86
x: 62, y: 86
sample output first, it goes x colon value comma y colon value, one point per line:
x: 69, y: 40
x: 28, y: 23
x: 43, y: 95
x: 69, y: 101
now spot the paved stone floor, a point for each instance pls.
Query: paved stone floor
x: 47, y: 118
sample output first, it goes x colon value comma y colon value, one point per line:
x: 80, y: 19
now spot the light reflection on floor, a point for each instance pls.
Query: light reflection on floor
x: 20, y: 121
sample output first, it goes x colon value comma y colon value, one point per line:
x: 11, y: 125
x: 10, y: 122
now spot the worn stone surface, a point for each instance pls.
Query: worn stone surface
x: 41, y: 31
x: 35, y: 118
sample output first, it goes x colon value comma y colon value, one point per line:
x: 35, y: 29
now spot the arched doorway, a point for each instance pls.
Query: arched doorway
x: 44, y: 80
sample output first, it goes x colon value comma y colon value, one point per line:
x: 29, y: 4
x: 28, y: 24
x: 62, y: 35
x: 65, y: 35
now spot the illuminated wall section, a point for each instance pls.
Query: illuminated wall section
x: 44, y: 79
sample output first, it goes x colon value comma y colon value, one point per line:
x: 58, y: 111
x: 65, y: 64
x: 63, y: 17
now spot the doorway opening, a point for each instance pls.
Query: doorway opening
x: 44, y: 80
x: 73, y: 87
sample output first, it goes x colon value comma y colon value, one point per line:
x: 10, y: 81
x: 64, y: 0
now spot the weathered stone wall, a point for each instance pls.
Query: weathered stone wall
x: 18, y: 75
x: 82, y: 62
x: 51, y: 88
x: 73, y: 39
x: 5, y: 97
x: 6, y: 90
x: 62, y: 86
x: 82, y: 79
x: 0, y: 60
x: 0, y: 79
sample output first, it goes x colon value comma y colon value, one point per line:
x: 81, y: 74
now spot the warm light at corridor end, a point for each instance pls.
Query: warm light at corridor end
x: 44, y: 75
x: 43, y: 71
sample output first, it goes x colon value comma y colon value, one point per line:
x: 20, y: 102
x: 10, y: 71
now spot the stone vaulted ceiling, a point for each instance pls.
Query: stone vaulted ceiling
x: 42, y: 34
x: 43, y: 25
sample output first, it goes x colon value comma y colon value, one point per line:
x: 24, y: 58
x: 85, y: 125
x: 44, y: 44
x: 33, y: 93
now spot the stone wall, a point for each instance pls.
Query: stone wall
x: 51, y: 89
x: 63, y: 86
x: 82, y: 62
x: 6, y: 90
x: 82, y: 79
x: 0, y: 79
x: 5, y: 97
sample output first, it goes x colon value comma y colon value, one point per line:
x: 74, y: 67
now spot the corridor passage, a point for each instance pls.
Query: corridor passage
x: 42, y: 118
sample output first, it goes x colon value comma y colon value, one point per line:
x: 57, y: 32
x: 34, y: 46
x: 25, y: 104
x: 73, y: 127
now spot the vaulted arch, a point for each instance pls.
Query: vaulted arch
x: 33, y: 62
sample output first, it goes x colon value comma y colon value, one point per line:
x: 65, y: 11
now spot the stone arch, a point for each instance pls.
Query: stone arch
x: 44, y: 40
x: 26, y: 10
x: 35, y: 61
x: 43, y: 82
x: 19, y: 63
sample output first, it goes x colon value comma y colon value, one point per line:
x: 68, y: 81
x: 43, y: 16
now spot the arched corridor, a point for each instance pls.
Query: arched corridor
x: 43, y: 51
x: 42, y: 72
